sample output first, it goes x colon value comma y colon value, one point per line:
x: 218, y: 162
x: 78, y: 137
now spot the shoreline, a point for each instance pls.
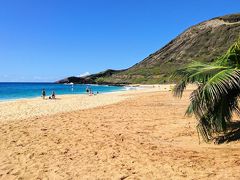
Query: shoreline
x: 39, y: 97
x: 60, y: 95
x: 36, y: 107
x: 133, y: 86
x: 34, y: 95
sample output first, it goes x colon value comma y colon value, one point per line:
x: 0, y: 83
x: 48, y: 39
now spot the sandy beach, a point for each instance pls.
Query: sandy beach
x: 138, y: 134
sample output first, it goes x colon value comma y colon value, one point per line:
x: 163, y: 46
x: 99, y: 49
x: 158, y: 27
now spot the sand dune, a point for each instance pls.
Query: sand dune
x: 143, y: 135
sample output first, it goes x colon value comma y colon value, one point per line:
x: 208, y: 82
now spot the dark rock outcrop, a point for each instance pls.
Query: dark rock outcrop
x: 91, y: 79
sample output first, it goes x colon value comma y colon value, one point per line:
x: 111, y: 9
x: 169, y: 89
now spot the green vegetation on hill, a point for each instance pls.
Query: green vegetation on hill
x: 203, y: 42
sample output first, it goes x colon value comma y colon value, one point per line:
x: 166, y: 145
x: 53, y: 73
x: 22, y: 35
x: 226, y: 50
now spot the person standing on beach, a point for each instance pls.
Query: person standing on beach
x: 53, y: 95
x: 43, y: 93
x: 87, y: 89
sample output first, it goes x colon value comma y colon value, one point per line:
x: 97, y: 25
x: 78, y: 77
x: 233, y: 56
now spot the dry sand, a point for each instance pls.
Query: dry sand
x: 37, y: 107
x: 143, y: 135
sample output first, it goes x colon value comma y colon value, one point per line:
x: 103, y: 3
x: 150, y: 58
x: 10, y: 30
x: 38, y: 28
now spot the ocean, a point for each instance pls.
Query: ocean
x: 12, y: 91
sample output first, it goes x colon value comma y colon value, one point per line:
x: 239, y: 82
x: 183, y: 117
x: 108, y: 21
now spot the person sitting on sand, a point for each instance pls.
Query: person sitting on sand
x: 43, y: 93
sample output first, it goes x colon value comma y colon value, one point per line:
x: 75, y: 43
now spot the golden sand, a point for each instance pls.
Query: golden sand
x: 132, y: 135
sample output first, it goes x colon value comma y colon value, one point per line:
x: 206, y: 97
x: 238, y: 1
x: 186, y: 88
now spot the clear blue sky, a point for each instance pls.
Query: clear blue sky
x: 44, y: 40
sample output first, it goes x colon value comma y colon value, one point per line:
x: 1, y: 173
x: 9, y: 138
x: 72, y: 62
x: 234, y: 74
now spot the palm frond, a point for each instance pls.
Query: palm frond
x: 197, y: 73
x: 217, y: 93
x: 231, y: 57
x: 220, y: 84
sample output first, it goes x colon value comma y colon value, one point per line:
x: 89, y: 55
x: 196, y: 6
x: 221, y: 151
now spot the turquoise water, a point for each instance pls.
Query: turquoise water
x: 10, y: 91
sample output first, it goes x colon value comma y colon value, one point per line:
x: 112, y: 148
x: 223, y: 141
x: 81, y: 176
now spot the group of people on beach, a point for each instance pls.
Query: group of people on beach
x: 90, y: 92
x: 53, y: 96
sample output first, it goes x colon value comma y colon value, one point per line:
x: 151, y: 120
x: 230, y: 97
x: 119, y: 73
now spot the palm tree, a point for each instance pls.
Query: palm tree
x: 216, y: 96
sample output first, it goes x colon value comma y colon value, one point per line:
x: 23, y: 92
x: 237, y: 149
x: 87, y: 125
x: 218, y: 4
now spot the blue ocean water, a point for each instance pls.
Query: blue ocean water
x: 10, y: 91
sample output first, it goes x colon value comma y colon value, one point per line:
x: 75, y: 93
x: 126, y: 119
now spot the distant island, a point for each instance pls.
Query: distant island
x: 202, y: 42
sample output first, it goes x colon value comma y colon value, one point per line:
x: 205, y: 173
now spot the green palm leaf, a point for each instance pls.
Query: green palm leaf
x: 197, y: 73
x: 217, y: 93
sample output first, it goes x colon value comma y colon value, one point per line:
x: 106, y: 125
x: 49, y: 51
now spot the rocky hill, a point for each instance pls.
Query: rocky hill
x: 98, y: 78
x: 202, y: 42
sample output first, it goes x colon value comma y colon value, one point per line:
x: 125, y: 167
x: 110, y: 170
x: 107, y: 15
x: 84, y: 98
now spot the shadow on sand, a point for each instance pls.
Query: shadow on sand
x: 233, y: 134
